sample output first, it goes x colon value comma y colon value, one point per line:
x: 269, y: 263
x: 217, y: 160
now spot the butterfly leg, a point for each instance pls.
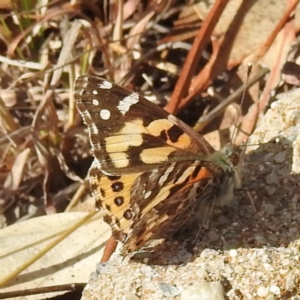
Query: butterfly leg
x: 109, y: 249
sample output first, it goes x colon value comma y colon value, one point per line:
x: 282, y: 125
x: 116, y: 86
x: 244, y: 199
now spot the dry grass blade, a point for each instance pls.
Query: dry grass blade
x: 219, y: 109
x: 193, y: 57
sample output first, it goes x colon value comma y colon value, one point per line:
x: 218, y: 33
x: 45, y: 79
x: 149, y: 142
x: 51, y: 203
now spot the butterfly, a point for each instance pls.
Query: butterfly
x: 152, y: 174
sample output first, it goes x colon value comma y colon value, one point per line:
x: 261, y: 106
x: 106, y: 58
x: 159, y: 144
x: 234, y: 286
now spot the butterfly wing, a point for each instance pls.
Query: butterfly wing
x: 148, y: 166
x: 128, y: 132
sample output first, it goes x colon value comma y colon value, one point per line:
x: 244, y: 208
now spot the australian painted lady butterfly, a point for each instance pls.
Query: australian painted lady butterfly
x: 152, y: 174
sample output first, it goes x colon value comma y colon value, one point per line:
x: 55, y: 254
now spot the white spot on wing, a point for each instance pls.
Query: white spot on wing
x: 105, y: 85
x: 104, y: 114
x: 95, y: 92
x: 104, y: 172
x: 95, y: 102
x: 94, y: 128
x: 125, y: 104
x: 147, y: 194
x: 165, y: 176
x: 86, y: 115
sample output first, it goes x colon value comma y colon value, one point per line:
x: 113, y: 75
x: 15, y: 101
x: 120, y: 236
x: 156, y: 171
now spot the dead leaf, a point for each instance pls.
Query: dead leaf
x: 71, y: 261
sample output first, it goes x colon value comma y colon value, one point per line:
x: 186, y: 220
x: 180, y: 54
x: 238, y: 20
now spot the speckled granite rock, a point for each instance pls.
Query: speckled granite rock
x: 249, y: 249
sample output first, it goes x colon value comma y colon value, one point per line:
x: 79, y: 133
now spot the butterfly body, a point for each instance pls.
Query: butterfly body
x: 152, y: 174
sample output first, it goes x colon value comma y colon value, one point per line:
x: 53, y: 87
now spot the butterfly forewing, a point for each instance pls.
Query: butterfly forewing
x: 129, y: 133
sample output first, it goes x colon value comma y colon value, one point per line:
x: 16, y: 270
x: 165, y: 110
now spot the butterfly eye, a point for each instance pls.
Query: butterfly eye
x: 235, y: 159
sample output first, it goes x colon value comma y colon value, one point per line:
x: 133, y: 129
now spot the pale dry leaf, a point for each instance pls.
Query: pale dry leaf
x: 14, y: 178
x: 224, y: 135
x: 130, y: 7
x: 9, y: 97
x: 72, y: 261
x: 277, y: 55
x: 297, y: 18
x: 137, y: 30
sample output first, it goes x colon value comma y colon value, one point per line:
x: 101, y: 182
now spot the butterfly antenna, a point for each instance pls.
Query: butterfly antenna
x: 246, y: 84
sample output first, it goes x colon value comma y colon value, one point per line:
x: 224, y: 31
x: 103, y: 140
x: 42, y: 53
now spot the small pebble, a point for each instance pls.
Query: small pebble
x: 233, y: 253
x: 262, y: 291
x: 290, y: 282
x: 131, y: 296
x: 202, y: 273
x: 239, y: 269
x: 275, y: 290
x: 204, y: 291
x: 270, y: 209
x: 280, y: 157
x: 285, y: 262
x: 168, y: 290
x: 213, y: 236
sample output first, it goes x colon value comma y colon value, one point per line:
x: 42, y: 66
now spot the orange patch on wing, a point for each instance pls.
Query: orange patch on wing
x: 116, y: 212
x: 130, y: 135
x: 202, y: 174
x: 183, y: 142
x: 156, y: 127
